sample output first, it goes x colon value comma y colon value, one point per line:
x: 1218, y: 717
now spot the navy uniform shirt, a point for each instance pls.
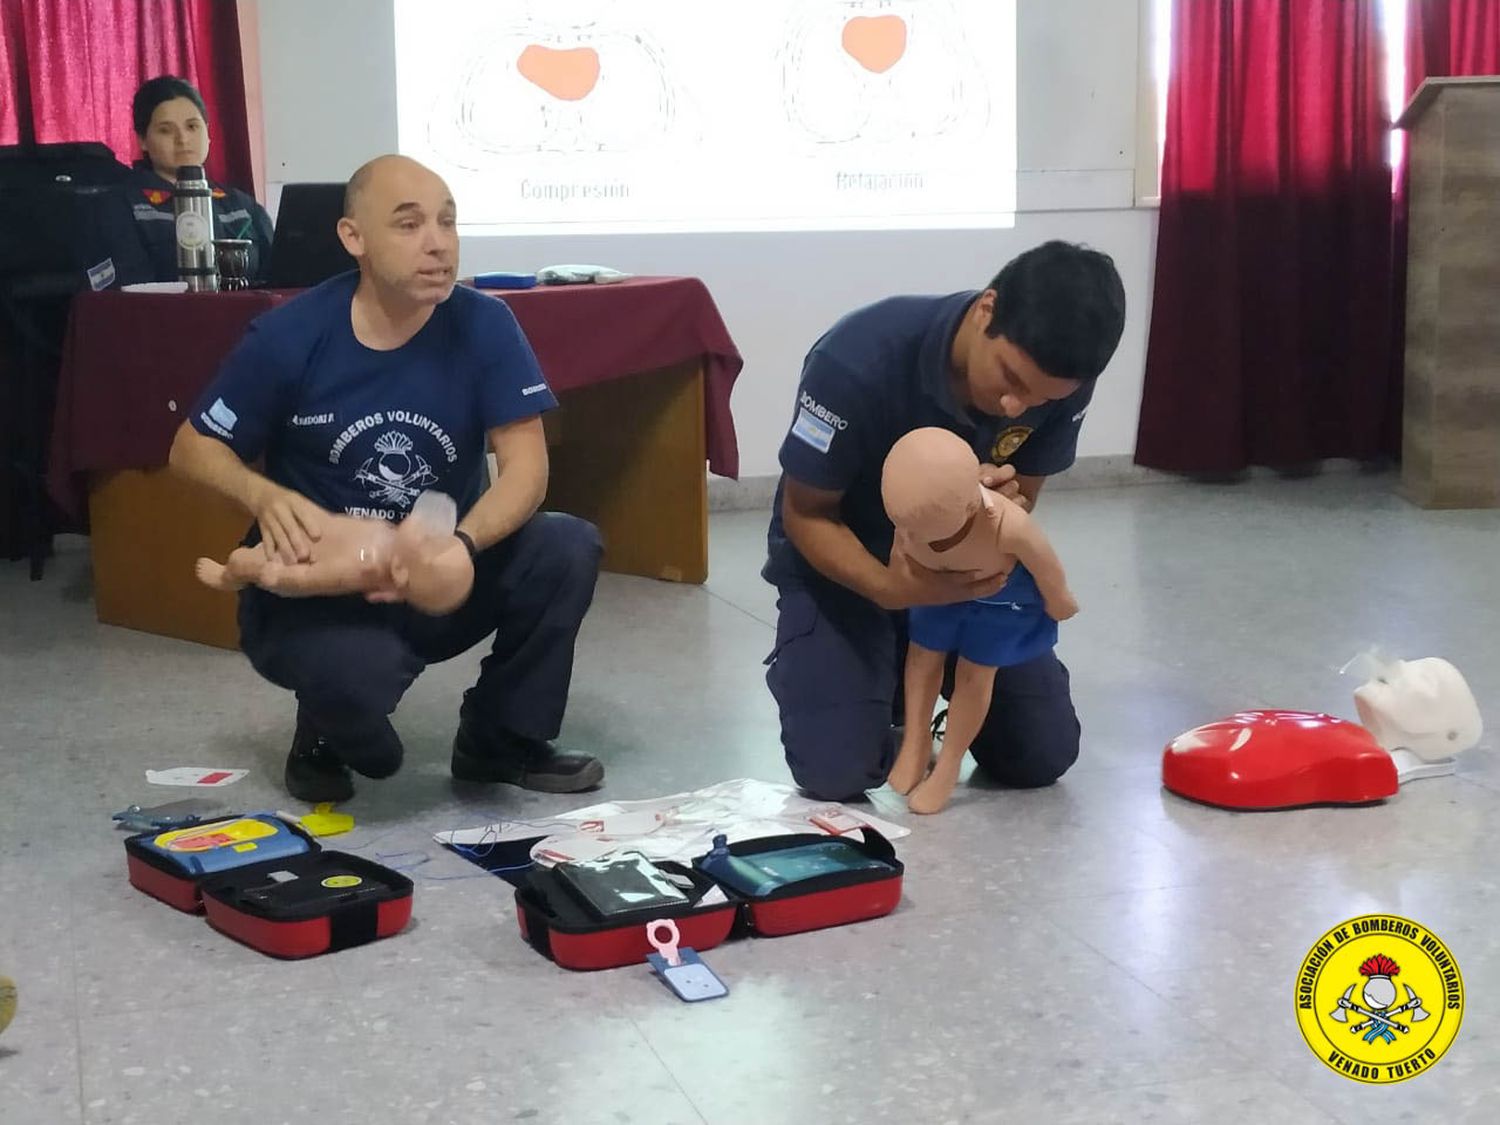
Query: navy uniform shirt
x: 236, y: 215
x: 365, y: 432
x: 877, y: 374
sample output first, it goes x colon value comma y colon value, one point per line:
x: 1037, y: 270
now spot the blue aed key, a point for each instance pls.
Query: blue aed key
x: 682, y: 969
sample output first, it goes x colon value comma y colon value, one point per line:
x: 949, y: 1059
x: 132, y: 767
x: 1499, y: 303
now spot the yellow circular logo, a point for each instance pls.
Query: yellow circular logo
x: 1010, y: 440
x: 1379, y: 998
x: 337, y: 882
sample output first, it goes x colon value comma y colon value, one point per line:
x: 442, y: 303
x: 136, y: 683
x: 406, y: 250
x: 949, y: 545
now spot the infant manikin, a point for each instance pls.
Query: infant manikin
x: 946, y: 521
x: 418, y: 561
x: 1415, y: 717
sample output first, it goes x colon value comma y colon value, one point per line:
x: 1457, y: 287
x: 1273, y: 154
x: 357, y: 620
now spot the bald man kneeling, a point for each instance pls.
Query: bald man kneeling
x: 361, y: 394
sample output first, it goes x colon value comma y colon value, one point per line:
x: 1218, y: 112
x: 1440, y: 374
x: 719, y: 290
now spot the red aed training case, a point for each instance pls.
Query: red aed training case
x: 269, y: 884
x: 171, y: 864
x: 555, y: 923
x: 834, y: 899
x: 309, y: 904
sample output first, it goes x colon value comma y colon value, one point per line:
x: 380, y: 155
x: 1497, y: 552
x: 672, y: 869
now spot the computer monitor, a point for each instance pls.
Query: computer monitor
x: 305, y: 249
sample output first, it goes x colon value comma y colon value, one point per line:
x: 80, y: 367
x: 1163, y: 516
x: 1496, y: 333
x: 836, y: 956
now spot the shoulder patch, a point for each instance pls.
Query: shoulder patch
x: 1007, y: 442
x: 812, y: 430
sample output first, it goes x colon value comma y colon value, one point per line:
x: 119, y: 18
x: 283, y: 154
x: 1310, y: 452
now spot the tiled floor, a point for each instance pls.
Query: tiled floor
x: 1099, y: 951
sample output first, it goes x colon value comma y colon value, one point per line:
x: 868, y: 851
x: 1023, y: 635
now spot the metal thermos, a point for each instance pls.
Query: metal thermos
x: 193, y: 210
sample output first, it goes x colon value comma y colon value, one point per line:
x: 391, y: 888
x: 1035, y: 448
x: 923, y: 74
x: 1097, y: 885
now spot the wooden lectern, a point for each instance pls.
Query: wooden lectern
x: 1451, y: 430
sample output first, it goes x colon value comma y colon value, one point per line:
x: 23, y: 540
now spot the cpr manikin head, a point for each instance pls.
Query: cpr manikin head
x: 930, y: 484
x: 1424, y: 706
x: 429, y: 566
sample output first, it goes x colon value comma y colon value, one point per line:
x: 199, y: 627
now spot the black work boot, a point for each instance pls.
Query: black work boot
x: 313, y: 772
x: 492, y: 754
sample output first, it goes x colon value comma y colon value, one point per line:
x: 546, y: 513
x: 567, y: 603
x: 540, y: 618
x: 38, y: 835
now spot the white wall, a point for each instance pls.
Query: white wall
x: 328, y: 71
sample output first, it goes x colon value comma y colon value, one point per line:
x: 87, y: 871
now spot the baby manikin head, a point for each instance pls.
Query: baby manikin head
x: 429, y: 566
x: 930, y: 484
x: 1424, y: 706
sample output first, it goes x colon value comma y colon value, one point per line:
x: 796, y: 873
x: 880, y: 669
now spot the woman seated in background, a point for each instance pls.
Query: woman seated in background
x: 172, y: 126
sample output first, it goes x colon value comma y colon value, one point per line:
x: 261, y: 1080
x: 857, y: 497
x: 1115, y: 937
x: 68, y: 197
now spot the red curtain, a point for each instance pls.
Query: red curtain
x: 68, y: 69
x: 1270, y: 331
x: 1451, y: 38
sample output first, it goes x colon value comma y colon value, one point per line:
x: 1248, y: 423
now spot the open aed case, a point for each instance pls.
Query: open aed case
x: 770, y: 886
x: 268, y: 883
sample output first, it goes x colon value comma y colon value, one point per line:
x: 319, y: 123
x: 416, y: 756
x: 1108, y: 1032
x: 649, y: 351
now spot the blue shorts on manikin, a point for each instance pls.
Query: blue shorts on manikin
x: 999, y: 632
x: 836, y: 672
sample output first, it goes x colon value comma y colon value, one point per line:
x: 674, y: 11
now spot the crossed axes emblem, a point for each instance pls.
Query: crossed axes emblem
x: 1413, y: 1005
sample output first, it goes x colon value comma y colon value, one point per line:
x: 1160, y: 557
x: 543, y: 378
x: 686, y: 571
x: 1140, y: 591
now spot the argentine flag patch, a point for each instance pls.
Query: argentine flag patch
x: 813, y: 430
x: 220, y: 419
x: 221, y: 414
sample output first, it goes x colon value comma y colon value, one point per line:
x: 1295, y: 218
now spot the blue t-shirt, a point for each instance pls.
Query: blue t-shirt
x: 365, y: 432
x: 877, y: 374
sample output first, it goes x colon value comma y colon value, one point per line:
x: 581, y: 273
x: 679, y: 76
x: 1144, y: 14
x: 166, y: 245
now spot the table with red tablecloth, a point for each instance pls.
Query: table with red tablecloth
x: 643, y: 371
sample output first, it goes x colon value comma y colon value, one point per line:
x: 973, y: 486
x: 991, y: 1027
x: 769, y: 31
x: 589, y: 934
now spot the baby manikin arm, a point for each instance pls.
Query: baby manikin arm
x: 1020, y: 535
x: 339, y: 575
x: 353, y: 556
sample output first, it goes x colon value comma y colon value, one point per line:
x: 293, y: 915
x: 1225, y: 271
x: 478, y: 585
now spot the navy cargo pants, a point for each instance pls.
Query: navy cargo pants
x: 350, y: 661
x: 836, y: 673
